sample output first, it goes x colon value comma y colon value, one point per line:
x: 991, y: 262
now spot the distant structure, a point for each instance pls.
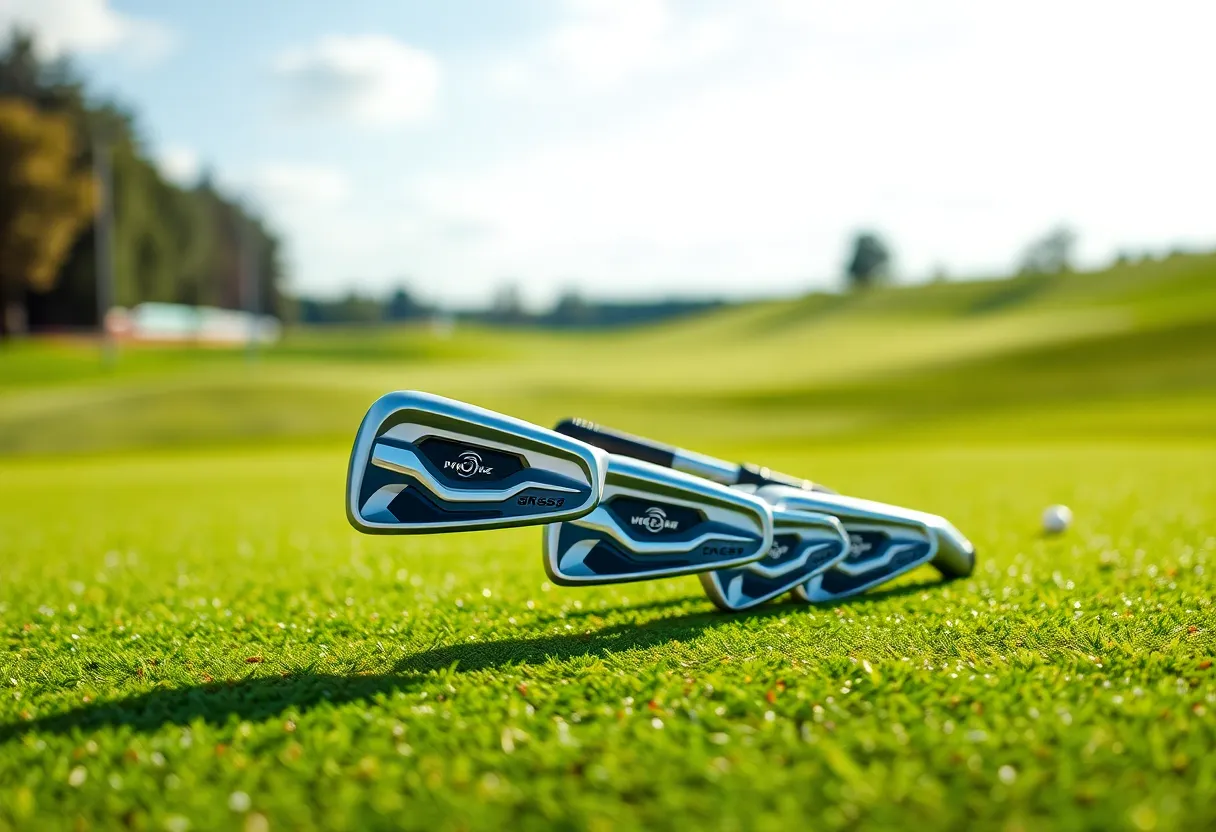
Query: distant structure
x: 174, y: 323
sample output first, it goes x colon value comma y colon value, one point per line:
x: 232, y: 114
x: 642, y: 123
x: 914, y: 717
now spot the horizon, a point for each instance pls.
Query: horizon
x: 839, y: 287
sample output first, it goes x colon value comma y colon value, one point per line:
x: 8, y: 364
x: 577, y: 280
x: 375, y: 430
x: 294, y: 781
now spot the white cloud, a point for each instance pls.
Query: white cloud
x: 86, y: 26
x: 609, y: 41
x: 371, y: 79
x: 179, y: 164
x: 603, y: 44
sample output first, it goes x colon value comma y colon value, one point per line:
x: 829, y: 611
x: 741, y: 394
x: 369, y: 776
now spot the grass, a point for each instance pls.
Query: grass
x: 194, y: 638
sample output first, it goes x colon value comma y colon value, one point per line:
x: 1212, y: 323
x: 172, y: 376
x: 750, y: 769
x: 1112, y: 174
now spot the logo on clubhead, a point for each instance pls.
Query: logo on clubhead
x: 654, y: 520
x: 468, y: 464
x: 858, y: 546
x: 778, y: 550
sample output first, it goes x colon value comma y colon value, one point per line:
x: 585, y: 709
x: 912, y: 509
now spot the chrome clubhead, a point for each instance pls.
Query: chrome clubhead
x: 424, y: 463
x: 653, y: 522
x: 805, y: 544
x: 885, y: 541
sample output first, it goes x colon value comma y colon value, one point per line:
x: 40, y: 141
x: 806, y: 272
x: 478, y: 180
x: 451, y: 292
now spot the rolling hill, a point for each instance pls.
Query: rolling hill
x: 1126, y: 351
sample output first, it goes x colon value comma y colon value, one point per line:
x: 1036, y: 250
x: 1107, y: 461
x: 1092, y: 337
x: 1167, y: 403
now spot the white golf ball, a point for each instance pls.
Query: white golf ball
x: 1056, y: 519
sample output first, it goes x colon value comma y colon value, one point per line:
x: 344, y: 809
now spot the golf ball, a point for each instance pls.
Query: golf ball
x: 1056, y: 519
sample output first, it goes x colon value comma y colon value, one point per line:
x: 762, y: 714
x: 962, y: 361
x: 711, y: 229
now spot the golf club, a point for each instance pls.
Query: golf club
x: 805, y: 544
x: 690, y: 462
x: 424, y: 463
x: 885, y: 540
x: 653, y: 522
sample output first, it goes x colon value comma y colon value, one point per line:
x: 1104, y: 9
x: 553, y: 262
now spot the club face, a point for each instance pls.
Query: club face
x: 885, y: 541
x: 423, y: 463
x: 805, y: 544
x: 654, y: 522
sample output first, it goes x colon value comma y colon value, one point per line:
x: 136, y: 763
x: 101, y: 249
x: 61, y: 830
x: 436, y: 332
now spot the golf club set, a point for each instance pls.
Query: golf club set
x: 619, y: 508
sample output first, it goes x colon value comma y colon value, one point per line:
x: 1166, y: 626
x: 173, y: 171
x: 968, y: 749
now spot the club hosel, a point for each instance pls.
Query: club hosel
x: 752, y: 474
x: 955, y: 557
x: 706, y: 467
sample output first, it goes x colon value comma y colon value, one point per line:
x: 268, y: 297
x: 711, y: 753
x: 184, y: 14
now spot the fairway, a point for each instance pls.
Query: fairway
x: 196, y: 639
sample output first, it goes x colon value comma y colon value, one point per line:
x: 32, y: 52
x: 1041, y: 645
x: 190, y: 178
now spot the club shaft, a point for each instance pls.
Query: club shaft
x: 669, y: 456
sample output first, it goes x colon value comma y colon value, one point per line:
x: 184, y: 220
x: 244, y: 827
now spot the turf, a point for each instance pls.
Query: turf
x: 194, y: 638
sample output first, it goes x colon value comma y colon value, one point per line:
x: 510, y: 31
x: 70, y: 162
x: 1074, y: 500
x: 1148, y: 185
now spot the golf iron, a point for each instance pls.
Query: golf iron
x: 653, y: 522
x: 805, y: 544
x: 424, y: 463
x: 885, y: 540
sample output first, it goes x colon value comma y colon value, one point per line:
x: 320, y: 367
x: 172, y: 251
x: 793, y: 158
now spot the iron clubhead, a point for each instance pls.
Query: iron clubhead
x: 805, y: 544
x: 653, y: 522
x: 885, y: 541
x: 424, y: 463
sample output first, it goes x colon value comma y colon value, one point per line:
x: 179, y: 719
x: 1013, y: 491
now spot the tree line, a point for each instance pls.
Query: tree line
x: 870, y: 257
x: 192, y: 245
x: 507, y: 308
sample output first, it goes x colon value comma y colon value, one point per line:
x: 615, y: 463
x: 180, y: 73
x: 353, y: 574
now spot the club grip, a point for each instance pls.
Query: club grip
x: 618, y: 442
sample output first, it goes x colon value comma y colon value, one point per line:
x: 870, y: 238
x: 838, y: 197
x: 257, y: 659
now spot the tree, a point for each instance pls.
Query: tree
x: 45, y: 201
x: 1051, y: 253
x: 401, y: 306
x: 50, y: 86
x: 183, y: 245
x: 571, y: 309
x: 507, y: 304
x: 870, y: 262
x: 359, y: 309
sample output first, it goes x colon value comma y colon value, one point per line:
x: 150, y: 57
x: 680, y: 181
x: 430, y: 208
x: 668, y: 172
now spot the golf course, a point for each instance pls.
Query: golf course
x: 195, y: 638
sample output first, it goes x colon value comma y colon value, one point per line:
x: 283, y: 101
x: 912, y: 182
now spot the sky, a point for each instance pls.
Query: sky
x: 662, y: 148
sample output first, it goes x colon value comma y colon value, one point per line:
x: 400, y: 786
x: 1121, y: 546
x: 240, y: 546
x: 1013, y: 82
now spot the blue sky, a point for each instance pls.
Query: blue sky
x: 641, y: 148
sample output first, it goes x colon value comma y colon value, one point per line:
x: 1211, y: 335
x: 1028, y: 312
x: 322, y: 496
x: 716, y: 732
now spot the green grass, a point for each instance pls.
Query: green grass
x: 194, y: 638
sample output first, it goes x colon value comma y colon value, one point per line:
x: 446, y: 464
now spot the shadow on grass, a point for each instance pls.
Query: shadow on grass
x: 784, y: 606
x: 263, y: 698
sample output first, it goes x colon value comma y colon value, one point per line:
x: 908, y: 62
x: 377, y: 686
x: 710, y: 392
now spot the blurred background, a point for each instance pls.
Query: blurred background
x: 771, y: 226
